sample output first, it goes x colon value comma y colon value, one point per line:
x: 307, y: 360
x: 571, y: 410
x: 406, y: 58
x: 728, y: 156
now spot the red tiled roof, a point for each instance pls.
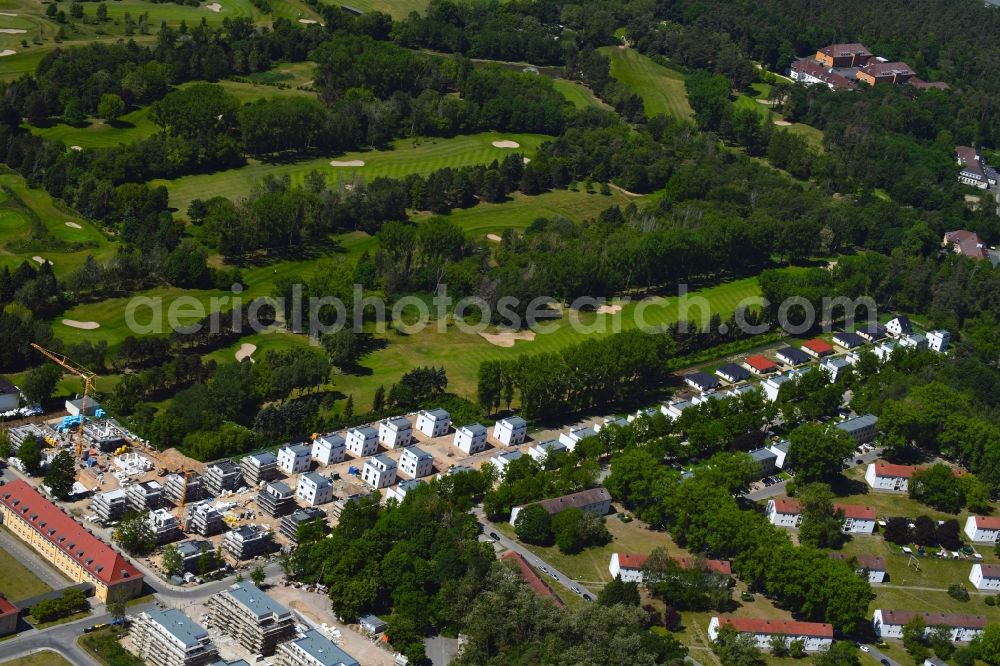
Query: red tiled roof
x: 856, y: 511
x: 818, y: 346
x: 905, y: 471
x: 6, y: 608
x: 631, y: 560
x: 947, y: 619
x: 987, y: 522
x: 990, y: 570
x: 95, y: 556
x: 715, y: 566
x: 846, y: 49
x: 880, y: 69
x: 785, y: 627
x: 761, y: 363
x: 533, y: 580
x: 787, y: 505
x: 828, y: 76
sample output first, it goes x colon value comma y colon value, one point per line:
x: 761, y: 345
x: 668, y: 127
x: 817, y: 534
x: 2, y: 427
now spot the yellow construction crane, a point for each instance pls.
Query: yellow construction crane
x: 183, y: 498
x: 88, y: 383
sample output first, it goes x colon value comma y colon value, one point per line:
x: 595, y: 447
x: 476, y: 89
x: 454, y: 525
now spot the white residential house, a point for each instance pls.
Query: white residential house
x: 570, y: 439
x: 938, y: 341
x: 835, y: 366
x: 510, y: 431
x: 628, y: 566
x: 10, y: 396
x: 982, y: 529
x: 885, y: 476
x: 362, y: 441
x: 541, y: 451
x: 780, y: 451
x: 772, y: 385
x: 862, y: 428
x: 858, y: 519
x: 416, y: 462
x: 899, y: 326
x: 295, y: 459
x: 619, y: 421
x: 379, y: 471
x: 471, y: 438
x: 329, y: 449
x: 871, y: 567
x: 398, y: 491
x: 433, y: 422
x: 501, y: 460
x: 883, y: 351
x: 985, y: 576
x: 964, y: 628
x: 314, y: 489
x: 784, y: 512
x: 673, y: 409
x: 395, y: 433
x: 913, y: 341
x: 816, y: 637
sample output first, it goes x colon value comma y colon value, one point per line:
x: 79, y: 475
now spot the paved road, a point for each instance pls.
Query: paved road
x: 534, y: 560
x: 779, y: 488
x: 879, y: 656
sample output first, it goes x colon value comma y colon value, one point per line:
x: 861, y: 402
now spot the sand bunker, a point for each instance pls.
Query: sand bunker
x: 214, y: 7
x: 347, y: 163
x: 39, y: 260
x: 506, y: 143
x: 308, y: 21
x: 525, y: 159
x: 782, y: 123
x: 7, y: 14
x: 245, y: 350
x: 493, y: 237
x: 7, y: 52
x: 73, y: 225
x: 85, y: 325
x: 507, y: 338
x: 12, y: 31
x: 614, y: 308
x: 76, y: 148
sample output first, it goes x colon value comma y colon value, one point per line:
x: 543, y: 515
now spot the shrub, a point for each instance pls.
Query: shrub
x: 958, y: 591
x: 990, y: 601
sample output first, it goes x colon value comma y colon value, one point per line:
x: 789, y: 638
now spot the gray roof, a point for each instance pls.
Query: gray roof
x: 760, y: 455
x: 300, y: 449
x: 419, y: 452
x: 385, y: 460
x: 438, y: 413
x: 408, y: 484
x: 401, y: 422
x: 180, y: 626
x: 550, y: 446
x: 474, y: 428
x: 583, y: 433
x: 6, y: 387
x: 281, y: 487
x: 793, y: 354
x: 91, y: 403
x: 253, y: 598
x: 510, y: 455
x: 858, y: 423
x: 782, y: 446
x: 222, y: 662
x: 680, y: 405
x: 372, y: 620
x: 367, y: 432
x: 193, y: 547
x: 226, y: 466
x: 265, y: 458
x: 333, y: 438
x: 515, y: 422
x: 306, y: 514
x: 324, y: 651
x: 836, y: 362
x: 702, y: 380
x: 318, y: 479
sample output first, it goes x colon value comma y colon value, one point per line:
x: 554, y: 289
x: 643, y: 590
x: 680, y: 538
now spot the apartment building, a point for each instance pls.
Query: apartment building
x: 246, y: 542
x: 204, y: 519
x: 289, y: 526
x: 259, y: 467
x: 256, y: 621
x: 313, y: 649
x: 171, y: 638
x: 222, y: 476
x: 109, y: 506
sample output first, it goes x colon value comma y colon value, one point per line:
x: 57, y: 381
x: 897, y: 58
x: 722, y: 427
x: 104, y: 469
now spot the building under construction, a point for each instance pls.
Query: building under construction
x: 174, y: 488
x: 289, y: 527
x: 165, y: 527
x: 204, y: 519
x: 222, y: 476
x: 171, y: 638
x: 246, y: 542
x: 259, y: 467
x: 109, y: 506
x: 144, y: 496
x: 197, y: 557
x: 276, y: 499
x: 256, y: 621
x: 104, y: 435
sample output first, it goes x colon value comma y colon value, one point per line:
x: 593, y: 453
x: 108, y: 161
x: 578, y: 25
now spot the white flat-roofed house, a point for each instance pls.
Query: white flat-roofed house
x: 883, y: 351
x: 471, y: 438
x: 913, y: 341
x: 398, y: 492
x: 433, y: 422
x: 510, y: 431
x: 395, y: 433
x: 619, y: 421
x: 835, y: 367
x: 416, y: 463
x: 362, y: 441
x: 379, y: 471
x: 329, y: 449
x: 673, y: 409
x: 501, y: 460
x: 575, y: 435
x: 314, y: 489
x: 541, y: 451
x: 983, y: 529
x: 780, y: 451
x: 784, y: 512
x: 938, y: 341
x: 772, y: 386
x: 295, y: 459
x: 963, y: 628
x: 816, y: 637
x: 985, y: 576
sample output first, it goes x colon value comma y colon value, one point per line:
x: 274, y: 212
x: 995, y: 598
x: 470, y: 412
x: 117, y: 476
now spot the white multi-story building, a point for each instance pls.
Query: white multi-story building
x: 501, y: 460
x: 938, y: 341
x: 983, y: 529
x: 673, y: 409
x: 395, y: 433
x: 985, y: 576
x: 899, y: 326
x: 294, y: 459
x: 379, y: 471
x: 471, y: 438
x: 362, y: 441
x: 329, y: 449
x: 885, y: 476
x: 815, y: 636
x: 784, y: 512
x: 433, y: 422
x: 510, y: 431
x: 313, y: 649
x: 314, y: 489
x: 963, y: 628
x: 575, y: 435
x: 541, y: 451
x: 416, y: 463
x: 398, y: 492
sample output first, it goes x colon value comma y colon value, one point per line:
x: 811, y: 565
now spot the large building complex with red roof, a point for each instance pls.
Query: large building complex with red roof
x: 629, y: 566
x: 881, y: 475
x: 815, y: 636
x: 843, y: 66
x: 80, y: 555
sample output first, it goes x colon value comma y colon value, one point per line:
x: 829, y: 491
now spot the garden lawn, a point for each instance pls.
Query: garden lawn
x: 407, y: 156
x: 580, y: 95
x: 42, y: 658
x: 18, y: 582
x: 16, y: 214
x: 661, y: 88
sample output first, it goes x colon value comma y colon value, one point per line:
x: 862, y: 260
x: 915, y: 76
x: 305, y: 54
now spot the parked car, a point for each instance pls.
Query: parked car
x: 494, y: 536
